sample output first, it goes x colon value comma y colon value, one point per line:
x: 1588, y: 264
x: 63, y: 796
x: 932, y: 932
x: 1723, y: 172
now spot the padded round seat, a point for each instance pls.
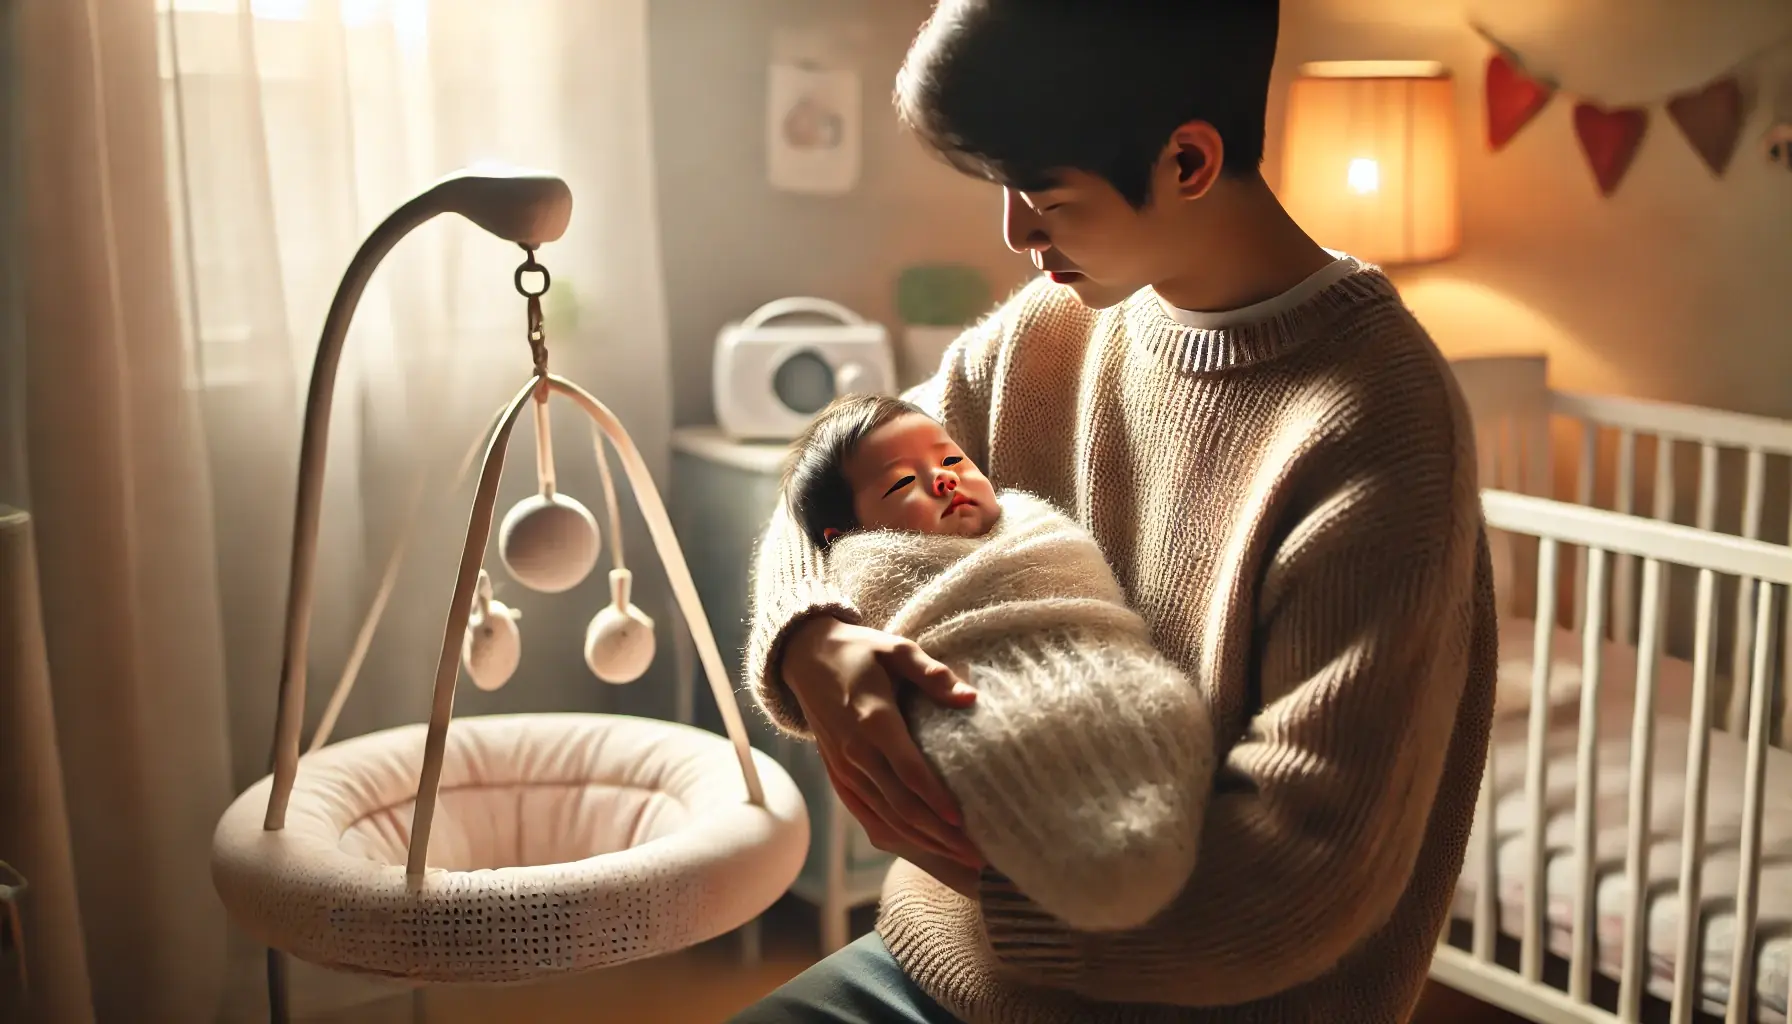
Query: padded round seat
x: 561, y: 842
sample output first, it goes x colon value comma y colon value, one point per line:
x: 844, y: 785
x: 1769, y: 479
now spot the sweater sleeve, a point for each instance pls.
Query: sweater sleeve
x: 790, y: 580
x: 1368, y: 624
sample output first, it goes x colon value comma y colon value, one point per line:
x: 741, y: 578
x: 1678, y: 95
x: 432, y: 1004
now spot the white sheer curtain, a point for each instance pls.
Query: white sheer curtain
x: 288, y: 128
x: 293, y: 127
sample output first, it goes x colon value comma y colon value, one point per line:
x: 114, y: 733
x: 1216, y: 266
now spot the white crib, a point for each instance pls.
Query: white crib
x: 1606, y: 749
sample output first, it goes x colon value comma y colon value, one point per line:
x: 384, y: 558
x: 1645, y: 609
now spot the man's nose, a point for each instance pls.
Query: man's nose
x: 1021, y: 228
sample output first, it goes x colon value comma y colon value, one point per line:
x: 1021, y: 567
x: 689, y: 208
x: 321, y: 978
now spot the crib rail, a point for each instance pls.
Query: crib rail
x: 1712, y: 432
x: 1628, y: 450
x: 1571, y: 972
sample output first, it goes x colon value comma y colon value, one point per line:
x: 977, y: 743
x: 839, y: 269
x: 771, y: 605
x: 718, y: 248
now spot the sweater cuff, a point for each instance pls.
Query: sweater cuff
x: 772, y: 692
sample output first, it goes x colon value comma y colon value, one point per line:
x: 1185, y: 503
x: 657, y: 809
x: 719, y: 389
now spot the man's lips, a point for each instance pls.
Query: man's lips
x: 1058, y: 274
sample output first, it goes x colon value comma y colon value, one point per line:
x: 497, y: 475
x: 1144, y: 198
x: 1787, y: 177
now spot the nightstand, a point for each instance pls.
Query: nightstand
x: 723, y: 494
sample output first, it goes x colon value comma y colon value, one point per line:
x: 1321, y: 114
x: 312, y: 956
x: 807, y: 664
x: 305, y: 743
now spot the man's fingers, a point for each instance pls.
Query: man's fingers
x: 852, y: 781
x: 918, y: 777
x: 915, y: 820
x: 915, y: 774
x: 875, y: 829
x: 866, y: 783
x: 913, y: 665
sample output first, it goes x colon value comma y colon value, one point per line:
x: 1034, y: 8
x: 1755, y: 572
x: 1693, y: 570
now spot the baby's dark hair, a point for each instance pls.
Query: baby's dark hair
x: 815, y: 487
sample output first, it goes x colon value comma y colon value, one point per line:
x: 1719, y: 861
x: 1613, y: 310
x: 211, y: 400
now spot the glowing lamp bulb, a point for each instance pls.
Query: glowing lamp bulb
x: 1364, y: 176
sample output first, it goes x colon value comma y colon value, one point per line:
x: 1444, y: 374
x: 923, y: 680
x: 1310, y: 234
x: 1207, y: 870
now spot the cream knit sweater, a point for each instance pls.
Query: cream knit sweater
x: 1079, y: 767
x: 1291, y: 504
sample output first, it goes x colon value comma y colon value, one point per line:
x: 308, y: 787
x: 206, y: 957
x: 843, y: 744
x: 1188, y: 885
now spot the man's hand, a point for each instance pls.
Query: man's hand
x: 845, y: 678
x: 955, y: 873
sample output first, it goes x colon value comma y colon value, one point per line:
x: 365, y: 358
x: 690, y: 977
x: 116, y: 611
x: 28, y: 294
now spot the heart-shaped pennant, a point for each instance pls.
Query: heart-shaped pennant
x: 1711, y: 119
x: 1610, y: 139
x: 1513, y: 98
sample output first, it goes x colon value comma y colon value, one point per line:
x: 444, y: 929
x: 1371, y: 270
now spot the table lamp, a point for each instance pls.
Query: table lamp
x: 1369, y: 159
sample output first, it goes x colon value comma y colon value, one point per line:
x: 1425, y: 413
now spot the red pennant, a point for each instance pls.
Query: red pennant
x: 1711, y: 119
x: 1513, y: 98
x: 1610, y: 139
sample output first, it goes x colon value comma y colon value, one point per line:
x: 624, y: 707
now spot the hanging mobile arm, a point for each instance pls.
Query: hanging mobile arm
x: 541, y: 385
x: 527, y: 208
x: 538, y: 352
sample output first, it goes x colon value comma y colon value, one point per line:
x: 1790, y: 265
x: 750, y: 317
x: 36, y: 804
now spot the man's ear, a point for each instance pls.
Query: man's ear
x: 1195, y: 153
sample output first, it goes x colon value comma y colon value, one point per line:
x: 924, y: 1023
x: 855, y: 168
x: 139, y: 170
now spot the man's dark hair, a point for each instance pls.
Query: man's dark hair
x: 815, y: 485
x: 1017, y: 91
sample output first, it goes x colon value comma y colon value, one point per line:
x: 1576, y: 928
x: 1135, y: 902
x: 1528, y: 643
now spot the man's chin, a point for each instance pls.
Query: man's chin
x: 1096, y: 295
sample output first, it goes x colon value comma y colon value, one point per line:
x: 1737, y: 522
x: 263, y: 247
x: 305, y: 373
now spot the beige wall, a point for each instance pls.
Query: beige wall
x: 1678, y: 287
x: 730, y: 241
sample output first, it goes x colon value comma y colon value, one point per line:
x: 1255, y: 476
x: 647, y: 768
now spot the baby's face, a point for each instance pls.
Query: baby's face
x: 909, y: 475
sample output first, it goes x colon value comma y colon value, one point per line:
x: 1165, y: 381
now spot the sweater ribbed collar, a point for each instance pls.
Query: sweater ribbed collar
x: 1203, y: 350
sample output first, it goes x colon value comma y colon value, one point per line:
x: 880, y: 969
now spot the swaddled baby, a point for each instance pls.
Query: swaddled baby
x: 1083, y: 767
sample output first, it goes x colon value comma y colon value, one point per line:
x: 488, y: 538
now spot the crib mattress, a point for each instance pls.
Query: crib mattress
x: 1723, y: 826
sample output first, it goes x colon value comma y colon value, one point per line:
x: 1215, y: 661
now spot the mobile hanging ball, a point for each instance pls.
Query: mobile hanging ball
x: 619, y: 641
x: 492, y: 645
x: 549, y: 542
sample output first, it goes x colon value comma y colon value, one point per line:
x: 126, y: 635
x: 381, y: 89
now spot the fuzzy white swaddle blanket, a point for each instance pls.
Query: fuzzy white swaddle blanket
x: 1084, y: 766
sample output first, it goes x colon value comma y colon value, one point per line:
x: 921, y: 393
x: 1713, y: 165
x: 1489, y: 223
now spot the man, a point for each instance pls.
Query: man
x: 1274, y: 459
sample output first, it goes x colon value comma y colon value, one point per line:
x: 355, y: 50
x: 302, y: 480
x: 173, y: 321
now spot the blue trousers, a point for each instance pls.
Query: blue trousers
x: 861, y: 984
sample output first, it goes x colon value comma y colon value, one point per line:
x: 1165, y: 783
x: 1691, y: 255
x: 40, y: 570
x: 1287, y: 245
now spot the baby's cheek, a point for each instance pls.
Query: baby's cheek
x: 920, y: 516
x: 887, y: 515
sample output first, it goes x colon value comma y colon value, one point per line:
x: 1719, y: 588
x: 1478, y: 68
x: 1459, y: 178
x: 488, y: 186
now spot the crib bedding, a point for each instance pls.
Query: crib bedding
x: 1723, y: 826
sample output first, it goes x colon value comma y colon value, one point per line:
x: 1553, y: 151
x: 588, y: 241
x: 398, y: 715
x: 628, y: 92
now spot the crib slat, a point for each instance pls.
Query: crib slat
x: 1785, y: 692
x: 1742, y: 960
x: 1753, y: 494
x: 1707, y: 515
x: 1634, y: 977
x: 1536, y: 895
x: 1487, y: 904
x: 1580, y: 977
x: 1583, y: 496
x: 1589, y: 446
x: 1785, y: 697
x: 1624, y: 587
x: 1688, y: 966
x: 1664, y: 479
x: 1664, y: 497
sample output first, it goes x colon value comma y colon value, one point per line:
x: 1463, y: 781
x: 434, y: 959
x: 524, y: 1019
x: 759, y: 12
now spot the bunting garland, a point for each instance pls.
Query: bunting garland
x: 1609, y: 138
x: 1513, y: 98
x: 1710, y: 117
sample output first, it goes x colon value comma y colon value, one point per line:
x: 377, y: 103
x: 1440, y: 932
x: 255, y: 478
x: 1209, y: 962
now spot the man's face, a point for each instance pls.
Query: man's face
x: 1087, y: 237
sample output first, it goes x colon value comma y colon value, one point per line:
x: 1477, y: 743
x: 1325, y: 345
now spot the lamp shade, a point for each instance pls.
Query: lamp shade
x: 1369, y: 159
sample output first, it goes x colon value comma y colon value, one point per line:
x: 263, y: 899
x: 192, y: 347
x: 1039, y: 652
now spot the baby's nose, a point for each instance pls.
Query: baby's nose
x: 944, y: 484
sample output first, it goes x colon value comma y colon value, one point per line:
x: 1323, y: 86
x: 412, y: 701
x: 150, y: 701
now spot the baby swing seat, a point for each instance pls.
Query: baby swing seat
x: 563, y: 842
